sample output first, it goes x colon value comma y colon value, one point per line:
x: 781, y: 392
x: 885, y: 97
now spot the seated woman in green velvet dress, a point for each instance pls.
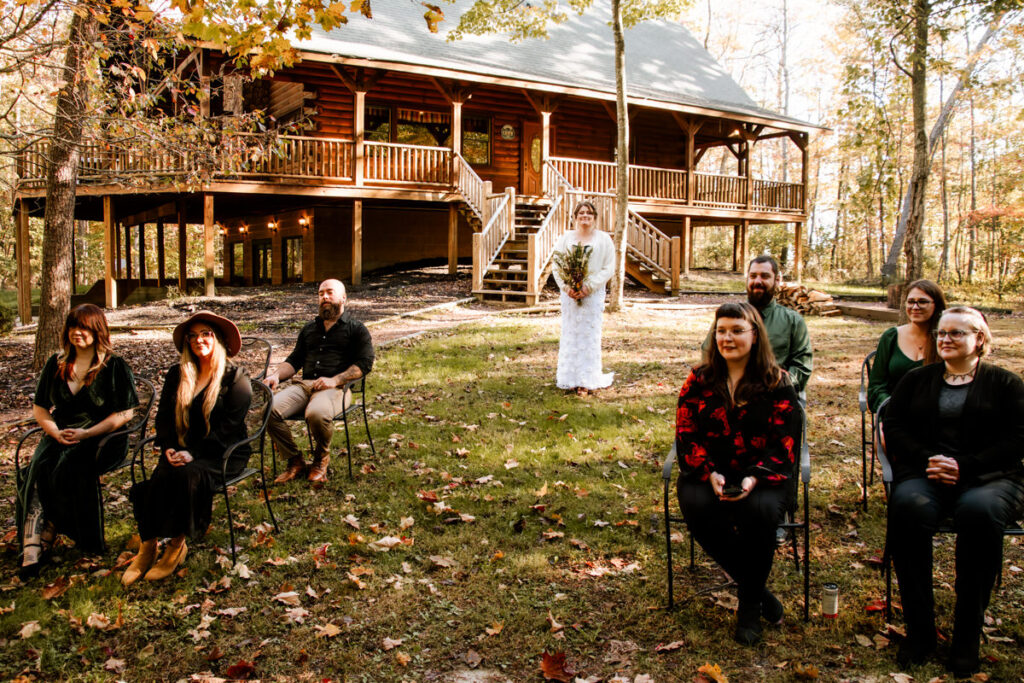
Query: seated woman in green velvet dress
x: 85, y: 392
x: 909, y: 346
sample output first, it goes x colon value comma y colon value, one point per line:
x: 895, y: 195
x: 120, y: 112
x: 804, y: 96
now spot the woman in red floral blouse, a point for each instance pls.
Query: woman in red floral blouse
x: 737, y: 432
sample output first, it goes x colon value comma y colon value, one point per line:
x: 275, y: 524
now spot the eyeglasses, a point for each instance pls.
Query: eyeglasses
x: 585, y: 213
x: 919, y: 303
x: 205, y: 334
x: 954, y: 335
x: 723, y: 333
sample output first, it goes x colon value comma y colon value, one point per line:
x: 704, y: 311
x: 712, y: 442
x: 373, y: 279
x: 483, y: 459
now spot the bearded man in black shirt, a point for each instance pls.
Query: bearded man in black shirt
x: 331, y: 351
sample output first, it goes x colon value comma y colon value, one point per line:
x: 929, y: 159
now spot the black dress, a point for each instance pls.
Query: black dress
x: 64, y: 477
x: 179, y: 500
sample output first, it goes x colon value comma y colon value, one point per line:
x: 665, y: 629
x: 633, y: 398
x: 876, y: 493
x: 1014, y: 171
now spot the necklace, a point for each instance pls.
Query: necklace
x: 960, y: 377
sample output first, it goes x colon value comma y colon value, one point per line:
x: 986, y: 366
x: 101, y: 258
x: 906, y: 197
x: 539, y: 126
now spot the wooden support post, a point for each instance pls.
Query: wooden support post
x: 127, y: 251
x: 359, y: 133
x: 748, y: 181
x: 182, y: 241
x: 453, y: 239
x: 161, y: 269
x: 457, y: 127
x: 736, y: 248
x: 805, y: 170
x: 693, y: 234
x: 24, y: 265
x: 687, y: 254
x: 142, y: 252
x: 357, y: 242
x: 110, y: 252
x: 676, y: 257
x: 545, y: 148
x: 744, y: 244
x: 798, y: 251
x: 117, y: 252
x: 208, y: 255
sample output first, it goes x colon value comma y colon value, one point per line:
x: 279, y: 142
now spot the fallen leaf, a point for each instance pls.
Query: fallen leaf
x: 392, y: 643
x: 553, y: 667
x: 295, y: 615
x: 555, y: 626
x: 98, y: 621
x: 288, y: 598
x: 473, y: 659
x: 240, y: 670
x: 231, y: 611
x: 713, y: 672
x: 406, y: 522
x: 327, y: 631
x: 494, y: 629
x: 881, y: 642
x: 359, y: 583
x: 29, y: 629
x: 385, y: 544
x: 442, y: 561
x: 402, y: 658
x: 115, y: 665
x: 669, y: 647
x: 863, y: 640
x: 805, y: 672
x: 214, y: 654
x: 146, y: 652
x: 427, y: 496
x: 511, y: 463
x: 56, y: 589
x: 901, y: 677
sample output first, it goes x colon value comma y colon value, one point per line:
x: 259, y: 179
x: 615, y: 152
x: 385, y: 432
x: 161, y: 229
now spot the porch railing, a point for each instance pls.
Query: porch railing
x: 711, y: 189
x: 653, y: 248
x: 407, y: 164
x: 489, y: 241
x: 649, y: 182
x: 288, y: 156
x: 778, y: 196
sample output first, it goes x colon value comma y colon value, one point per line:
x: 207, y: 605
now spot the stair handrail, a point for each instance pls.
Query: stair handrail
x: 655, y: 250
x: 488, y: 242
x: 473, y: 189
x: 540, y: 246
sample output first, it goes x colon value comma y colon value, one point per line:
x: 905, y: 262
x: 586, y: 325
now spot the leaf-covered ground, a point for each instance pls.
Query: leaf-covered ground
x: 501, y: 519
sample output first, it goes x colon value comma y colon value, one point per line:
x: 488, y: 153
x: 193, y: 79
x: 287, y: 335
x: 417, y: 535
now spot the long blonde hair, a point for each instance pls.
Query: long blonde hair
x: 189, y: 367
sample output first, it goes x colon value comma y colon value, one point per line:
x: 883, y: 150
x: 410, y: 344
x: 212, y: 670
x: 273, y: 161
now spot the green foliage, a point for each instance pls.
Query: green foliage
x: 7, y: 316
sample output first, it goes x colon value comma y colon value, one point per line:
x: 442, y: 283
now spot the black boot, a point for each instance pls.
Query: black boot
x: 748, y: 623
x: 916, y: 648
x: 771, y: 608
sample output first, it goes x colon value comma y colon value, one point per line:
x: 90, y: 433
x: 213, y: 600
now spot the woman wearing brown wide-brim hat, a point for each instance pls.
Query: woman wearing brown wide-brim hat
x: 202, y: 411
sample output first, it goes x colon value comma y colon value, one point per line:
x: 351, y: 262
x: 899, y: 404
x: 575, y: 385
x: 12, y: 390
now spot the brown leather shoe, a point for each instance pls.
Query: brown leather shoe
x: 318, y: 470
x: 168, y: 562
x: 141, y: 563
x: 296, y: 469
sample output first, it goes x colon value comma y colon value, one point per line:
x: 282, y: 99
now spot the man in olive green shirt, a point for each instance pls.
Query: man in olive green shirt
x: 786, y: 328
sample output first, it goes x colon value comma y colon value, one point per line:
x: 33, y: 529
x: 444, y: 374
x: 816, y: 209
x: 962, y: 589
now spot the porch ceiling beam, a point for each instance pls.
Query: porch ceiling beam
x: 456, y: 92
x: 750, y: 131
x: 799, y: 139
x: 164, y: 84
x: 363, y: 81
x: 543, y: 103
x: 690, y: 126
x: 168, y: 210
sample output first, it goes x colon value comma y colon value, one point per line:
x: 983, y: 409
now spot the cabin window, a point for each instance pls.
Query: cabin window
x: 377, y: 127
x: 476, y: 140
x: 428, y: 128
x: 262, y: 262
x: 293, y: 259
x: 237, y: 263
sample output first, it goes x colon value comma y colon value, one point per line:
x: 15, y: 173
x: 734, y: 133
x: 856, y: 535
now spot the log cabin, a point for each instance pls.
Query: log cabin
x: 417, y: 148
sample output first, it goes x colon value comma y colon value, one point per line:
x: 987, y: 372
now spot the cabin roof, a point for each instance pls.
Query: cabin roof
x: 664, y: 62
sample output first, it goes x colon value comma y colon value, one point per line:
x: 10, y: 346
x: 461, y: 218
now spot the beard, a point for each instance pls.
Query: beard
x: 329, y: 311
x: 760, y: 296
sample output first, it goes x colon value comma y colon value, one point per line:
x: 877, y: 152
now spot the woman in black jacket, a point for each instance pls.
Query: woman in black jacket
x: 202, y: 412
x: 955, y: 435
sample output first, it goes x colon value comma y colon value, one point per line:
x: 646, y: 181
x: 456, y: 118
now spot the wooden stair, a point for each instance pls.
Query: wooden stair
x: 646, y: 277
x: 506, y: 277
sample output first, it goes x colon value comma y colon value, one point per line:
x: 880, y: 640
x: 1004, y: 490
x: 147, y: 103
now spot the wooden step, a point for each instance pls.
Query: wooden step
x: 644, y: 276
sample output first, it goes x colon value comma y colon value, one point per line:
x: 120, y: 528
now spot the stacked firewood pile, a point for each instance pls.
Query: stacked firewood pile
x: 806, y: 301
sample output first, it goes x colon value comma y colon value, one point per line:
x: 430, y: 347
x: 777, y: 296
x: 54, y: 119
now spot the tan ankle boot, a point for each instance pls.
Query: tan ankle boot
x: 141, y: 563
x: 296, y: 468
x: 173, y: 556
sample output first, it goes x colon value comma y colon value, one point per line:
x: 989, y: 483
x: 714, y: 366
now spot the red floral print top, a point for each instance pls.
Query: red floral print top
x: 756, y: 439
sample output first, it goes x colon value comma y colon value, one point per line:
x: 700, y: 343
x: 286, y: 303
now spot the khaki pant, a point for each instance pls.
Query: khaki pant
x: 320, y: 408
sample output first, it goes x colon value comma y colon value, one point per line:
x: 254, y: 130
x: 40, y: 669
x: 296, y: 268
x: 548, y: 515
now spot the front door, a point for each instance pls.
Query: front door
x: 530, y: 157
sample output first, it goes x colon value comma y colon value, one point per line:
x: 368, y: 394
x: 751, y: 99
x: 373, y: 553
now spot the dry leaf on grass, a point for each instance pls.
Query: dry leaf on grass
x: 901, y: 678
x: 669, y: 647
x: 29, y: 629
x: 327, y: 631
x: 351, y: 521
x: 288, y: 598
x: 494, y: 629
x: 805, y: 672
x: 56, y: 589
x: 115, y: 665
x: 241, y: 670
x: 405, y: 523
x: 473, y: 659
x: 385, y: 544
x: 553, y: 667
x: 555, y: 626
x: 712, y: 672
x: 392, y: 643
x: 402, y: 658
x: 863, y: 640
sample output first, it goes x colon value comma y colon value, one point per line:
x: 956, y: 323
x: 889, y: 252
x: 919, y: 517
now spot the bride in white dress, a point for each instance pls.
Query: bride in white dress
x: 579, y: 348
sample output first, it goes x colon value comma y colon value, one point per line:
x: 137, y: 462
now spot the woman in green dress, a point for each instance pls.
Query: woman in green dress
x: 85, y: 392
x: 909, y: 346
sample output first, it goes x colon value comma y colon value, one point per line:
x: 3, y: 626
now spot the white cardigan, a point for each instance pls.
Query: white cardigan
x: 602, y: 258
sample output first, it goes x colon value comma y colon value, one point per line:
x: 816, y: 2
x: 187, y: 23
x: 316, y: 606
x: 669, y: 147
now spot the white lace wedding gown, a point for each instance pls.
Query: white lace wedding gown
x: 579, y: 347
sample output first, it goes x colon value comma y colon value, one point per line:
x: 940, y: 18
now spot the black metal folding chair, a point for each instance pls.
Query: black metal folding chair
x: 133, y: 431
x: 256, y: 427
x: 358, y: 389
x: 801, y: 469
x: 868, y: 425
x: 254, y: 356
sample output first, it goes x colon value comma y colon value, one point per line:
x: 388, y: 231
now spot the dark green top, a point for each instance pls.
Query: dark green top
x: 111, y: 391
x: 888, y: 368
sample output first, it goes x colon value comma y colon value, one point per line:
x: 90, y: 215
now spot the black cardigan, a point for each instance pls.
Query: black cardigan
x: 992, y: 424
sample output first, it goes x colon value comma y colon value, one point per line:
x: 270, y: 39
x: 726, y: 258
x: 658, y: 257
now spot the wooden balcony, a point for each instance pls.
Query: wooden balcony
x: 327, y: 162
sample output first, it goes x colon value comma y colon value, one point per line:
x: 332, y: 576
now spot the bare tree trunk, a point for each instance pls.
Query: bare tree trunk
x: 912, y: 210
x: 972, y: 238
x: 621, y: 161
x: 944, y: 188
x: 61, y: 179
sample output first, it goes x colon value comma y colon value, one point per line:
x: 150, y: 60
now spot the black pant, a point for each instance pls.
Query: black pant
x: 979, y: 514
x: 739, y: 536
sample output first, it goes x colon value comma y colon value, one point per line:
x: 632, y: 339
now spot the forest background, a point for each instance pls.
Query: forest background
x: 844, y: 65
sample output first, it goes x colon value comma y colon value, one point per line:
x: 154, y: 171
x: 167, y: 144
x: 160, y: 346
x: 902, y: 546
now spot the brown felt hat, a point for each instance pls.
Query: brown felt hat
x: 229, y: 334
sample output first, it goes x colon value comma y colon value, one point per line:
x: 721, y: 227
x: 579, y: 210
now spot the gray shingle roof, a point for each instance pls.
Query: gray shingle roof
x: 663, y: 60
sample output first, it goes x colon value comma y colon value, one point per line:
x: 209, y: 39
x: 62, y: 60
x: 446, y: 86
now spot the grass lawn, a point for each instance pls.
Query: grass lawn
x: 526, y: 520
